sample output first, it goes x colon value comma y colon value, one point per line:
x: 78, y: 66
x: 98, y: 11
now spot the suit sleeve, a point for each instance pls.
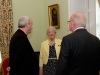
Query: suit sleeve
x: 63, y: 58
x: 99, y: 55
x: 41, y: 57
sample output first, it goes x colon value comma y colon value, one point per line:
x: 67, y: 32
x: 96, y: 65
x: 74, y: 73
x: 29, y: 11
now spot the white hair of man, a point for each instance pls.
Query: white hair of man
x: 52, y: 28
x: 23, y: 21
x: 80, y: 19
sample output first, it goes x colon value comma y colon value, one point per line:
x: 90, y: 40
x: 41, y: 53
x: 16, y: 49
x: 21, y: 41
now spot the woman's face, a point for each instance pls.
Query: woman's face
x: 51, y: 33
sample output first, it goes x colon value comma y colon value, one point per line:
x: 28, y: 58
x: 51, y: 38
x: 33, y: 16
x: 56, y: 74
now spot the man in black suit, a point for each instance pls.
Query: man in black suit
x: 23, y: 60
x: 80, y: 50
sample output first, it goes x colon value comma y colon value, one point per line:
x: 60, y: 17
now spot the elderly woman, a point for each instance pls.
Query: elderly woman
x: 49, y: 53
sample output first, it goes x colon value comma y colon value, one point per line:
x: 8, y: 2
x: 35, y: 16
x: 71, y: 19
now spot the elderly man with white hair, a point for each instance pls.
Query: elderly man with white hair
x: 80, y: 50
x: 23, y: 60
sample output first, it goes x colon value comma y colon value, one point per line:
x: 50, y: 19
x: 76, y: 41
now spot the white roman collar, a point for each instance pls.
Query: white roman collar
x: 79, y: 28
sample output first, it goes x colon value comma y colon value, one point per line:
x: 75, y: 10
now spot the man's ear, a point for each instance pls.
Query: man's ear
x: 73, y: 25
x: 27, y: 26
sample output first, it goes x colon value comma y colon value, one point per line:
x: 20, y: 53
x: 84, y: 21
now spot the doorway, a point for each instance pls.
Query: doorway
x: 97, y: 19
x: 88, y: 8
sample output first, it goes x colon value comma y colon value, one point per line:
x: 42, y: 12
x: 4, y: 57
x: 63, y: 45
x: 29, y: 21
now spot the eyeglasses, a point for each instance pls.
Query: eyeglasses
x: 69, y: 21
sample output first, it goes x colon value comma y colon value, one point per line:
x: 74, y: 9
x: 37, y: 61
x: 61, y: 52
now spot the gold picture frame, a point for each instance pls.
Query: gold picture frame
x: 53, y: 13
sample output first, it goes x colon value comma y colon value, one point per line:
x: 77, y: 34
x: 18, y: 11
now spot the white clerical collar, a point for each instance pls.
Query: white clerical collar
x: 79, y: 28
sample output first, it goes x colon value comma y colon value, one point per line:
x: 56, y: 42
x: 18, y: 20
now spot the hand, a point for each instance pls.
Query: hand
x: 41, y: 71
x: 8, y: 69
x: 8, y: 73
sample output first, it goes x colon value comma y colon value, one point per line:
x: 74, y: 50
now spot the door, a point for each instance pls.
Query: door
x: 88, y: 8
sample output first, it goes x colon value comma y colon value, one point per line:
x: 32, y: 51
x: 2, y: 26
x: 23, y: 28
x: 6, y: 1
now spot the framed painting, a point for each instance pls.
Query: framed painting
x: 53, y: 13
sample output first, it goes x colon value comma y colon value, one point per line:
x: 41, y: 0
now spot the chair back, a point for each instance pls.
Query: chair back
x: 4, y: 66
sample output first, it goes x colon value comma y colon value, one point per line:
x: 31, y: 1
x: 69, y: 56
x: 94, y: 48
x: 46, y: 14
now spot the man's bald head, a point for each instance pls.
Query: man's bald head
x: 79, y: 18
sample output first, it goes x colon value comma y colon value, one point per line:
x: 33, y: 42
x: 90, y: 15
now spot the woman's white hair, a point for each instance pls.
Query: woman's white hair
x: 52, y: 28
x: 23, y: 21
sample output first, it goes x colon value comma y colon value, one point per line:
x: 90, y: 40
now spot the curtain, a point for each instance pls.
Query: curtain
x: 6, y: 26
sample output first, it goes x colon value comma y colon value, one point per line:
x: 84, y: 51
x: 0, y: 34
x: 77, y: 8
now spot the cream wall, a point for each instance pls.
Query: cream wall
x: 63, y: 11
x: 38, y: 11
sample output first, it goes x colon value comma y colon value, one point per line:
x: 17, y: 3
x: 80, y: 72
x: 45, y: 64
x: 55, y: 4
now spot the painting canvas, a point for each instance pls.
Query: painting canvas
x: 53, y: 12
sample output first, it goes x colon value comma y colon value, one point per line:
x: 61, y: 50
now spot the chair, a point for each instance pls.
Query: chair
x: 4, y: 66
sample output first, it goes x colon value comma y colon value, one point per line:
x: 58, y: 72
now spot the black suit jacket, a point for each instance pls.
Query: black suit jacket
x: 80, y: 54
x: 23, y: 60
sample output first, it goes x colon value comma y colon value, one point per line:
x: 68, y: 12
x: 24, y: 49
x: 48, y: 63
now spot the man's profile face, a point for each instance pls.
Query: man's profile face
x: 30, y: 26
